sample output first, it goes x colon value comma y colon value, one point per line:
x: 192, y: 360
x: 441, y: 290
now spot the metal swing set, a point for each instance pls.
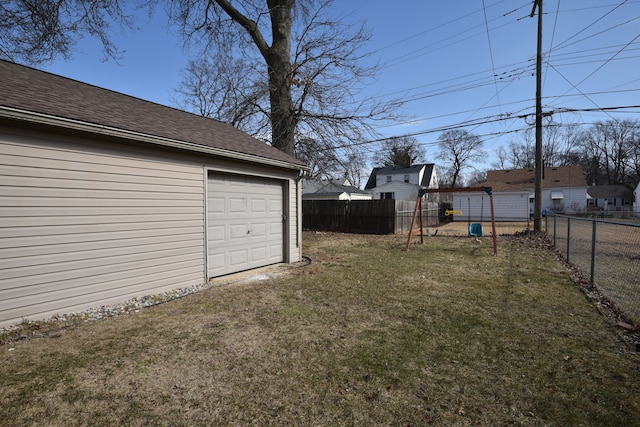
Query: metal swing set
x: 475, y: 228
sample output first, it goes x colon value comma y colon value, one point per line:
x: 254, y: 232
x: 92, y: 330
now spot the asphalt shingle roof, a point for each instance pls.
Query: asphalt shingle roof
x: 524, y: 179
x: 27, y: 89
x: 610, y: 191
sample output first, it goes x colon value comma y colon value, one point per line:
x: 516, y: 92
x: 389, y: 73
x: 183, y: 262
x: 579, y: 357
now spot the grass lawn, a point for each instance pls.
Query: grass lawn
x: 367, y: 334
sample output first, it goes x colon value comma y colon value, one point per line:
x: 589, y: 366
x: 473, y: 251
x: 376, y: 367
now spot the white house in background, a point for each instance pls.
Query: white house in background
x: 333, y: 190
x: 105, y: 197
x: 636, y: 203
x: 401, y: 183
x: 564, y: 191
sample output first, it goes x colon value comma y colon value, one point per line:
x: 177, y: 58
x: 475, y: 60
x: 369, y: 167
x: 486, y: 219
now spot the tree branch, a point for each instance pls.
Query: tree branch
x: 247, y: 24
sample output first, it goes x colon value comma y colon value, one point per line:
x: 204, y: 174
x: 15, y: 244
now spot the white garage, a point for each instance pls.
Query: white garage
x: 508, y: 206
x: 245, y: 222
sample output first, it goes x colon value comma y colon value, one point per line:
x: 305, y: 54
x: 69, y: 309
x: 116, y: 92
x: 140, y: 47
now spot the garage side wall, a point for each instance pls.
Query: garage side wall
x: 83, y: 225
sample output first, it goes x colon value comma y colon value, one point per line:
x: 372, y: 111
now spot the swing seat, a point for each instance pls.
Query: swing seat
x: 475, y: 229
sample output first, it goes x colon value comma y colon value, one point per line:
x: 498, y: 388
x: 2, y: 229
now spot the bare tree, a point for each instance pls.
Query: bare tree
x: 501, y: 162
x: 591, y: 159
x: 399, y: 151
x: 319, y: 161
x: 459, y: 149
x: 558, y: 148
x: 476, y: 177
x: 310, y: 62
x: 522, y: 154
x: 353, y: 165
x: 326, y: 164
x: 224, y: 90
x: 608, y: 151
x: 558, y: 143
x: 37, y: 31
x: 445, y: 178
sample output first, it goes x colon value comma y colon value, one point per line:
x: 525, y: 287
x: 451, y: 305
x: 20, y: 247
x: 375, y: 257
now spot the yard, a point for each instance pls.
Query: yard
x: 366, y: 334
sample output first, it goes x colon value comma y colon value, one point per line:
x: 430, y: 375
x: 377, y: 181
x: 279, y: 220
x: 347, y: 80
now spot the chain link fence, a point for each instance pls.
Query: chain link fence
x: 607, y: 252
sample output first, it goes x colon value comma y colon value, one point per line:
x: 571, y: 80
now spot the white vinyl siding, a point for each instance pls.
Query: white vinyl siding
x: 399, y: 190
x: 83, y: 227
x: 508, y: 206
x: 573, y: 200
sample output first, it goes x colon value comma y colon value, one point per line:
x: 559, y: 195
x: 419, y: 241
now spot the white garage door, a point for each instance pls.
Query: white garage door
x: 245, y: 223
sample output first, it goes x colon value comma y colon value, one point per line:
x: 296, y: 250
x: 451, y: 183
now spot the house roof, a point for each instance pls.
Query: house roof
x: 334, y: 188
x: 524, y: 179
x: 323, y: 195
x: 400, y: 170
x: 617, y: 191
x: 314, y: 185
x: 30, y: 95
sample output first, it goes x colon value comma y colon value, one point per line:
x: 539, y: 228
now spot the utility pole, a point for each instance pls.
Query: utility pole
x: 539, y: 174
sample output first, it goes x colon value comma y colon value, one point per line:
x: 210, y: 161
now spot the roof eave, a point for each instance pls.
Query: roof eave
x: 77, y: 125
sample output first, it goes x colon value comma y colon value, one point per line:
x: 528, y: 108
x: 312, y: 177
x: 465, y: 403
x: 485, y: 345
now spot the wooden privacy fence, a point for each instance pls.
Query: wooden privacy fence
x: 362, y: 216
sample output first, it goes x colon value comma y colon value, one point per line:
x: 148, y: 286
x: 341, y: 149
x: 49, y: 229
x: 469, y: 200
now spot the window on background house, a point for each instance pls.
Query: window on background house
x: 388, y: 178
x: 386, y: 195
x: 557, y: 201
x: 406, y: 178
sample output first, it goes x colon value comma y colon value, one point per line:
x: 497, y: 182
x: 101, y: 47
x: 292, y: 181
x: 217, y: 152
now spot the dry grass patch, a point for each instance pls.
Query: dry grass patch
x: 367, y: 334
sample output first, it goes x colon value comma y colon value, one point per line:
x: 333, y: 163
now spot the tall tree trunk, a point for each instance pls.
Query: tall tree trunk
x: 278, y: 59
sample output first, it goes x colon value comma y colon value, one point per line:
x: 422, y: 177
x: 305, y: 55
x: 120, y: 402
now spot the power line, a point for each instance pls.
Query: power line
x: 493, y: 67
x: 553, y: 33
x: 486, y: 120
x: 607, y: 61
x: 513, y: 73
x: 590, y: 25
x: 483, y: 81
x: 528, y: 101
x: 428, y: 30
x: 597, y: 34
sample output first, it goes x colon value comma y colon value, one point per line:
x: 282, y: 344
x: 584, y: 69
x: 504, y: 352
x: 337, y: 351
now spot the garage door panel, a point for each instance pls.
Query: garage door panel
x: 258, y: 205
x: 216, y: 205
x: 239, y: 257
x: 275, y: 251
x: 259, y: 254
x: 259, y: 230
x: 237, y: 205
x: 238, y: 231
x: 216, y: 261
x: 216, y: 234
x: 250, y: 211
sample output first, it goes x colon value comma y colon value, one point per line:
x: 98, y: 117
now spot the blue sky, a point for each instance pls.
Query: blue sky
x: 462, y: 61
